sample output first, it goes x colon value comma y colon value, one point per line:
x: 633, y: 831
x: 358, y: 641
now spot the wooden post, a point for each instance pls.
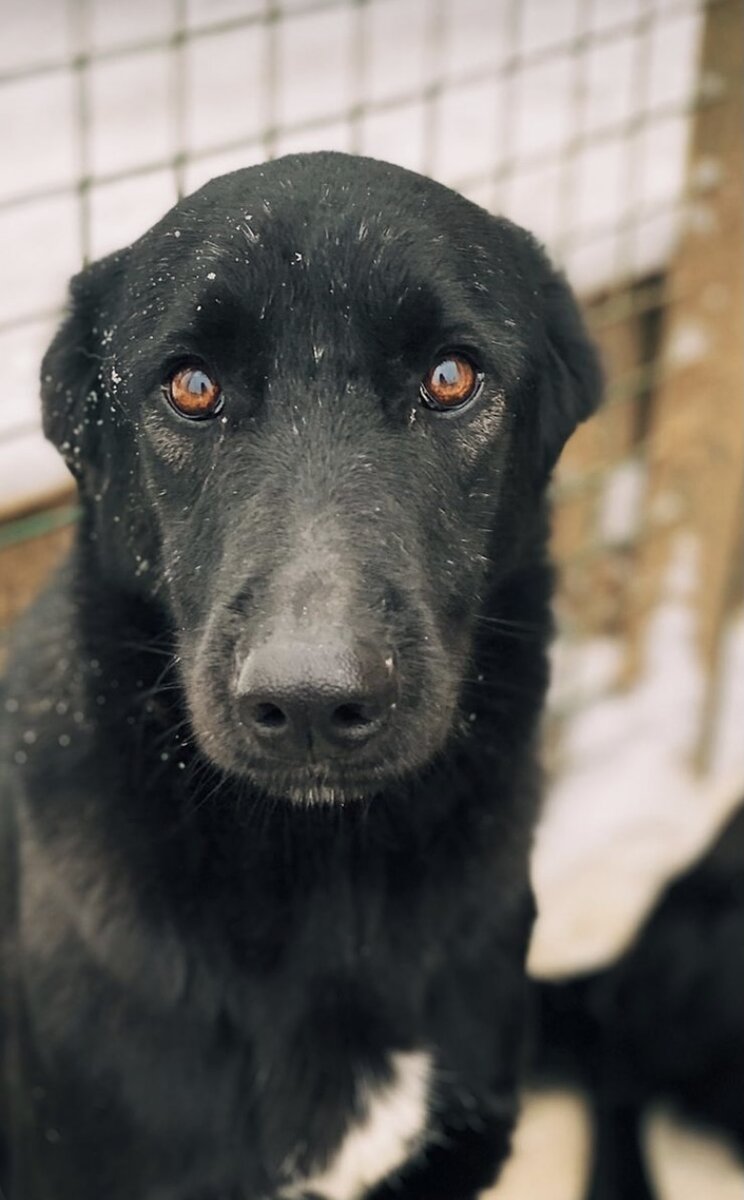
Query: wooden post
x: 696, y: 436
x: 592, y: 575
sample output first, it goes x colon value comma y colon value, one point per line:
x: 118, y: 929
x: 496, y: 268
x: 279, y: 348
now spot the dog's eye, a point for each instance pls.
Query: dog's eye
x: 451, y: 382
x: 194, y: 394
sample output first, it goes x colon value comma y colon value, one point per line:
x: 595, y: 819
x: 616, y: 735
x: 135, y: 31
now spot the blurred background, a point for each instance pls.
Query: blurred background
x: 613, y: 130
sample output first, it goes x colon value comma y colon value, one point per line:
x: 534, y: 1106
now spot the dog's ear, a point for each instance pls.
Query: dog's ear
x: 71, y: 367
x: 572, y: 380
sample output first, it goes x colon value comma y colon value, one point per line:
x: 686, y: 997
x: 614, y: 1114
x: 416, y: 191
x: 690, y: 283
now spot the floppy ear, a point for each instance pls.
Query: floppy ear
x: 570, y: 388
x: 72, y: 364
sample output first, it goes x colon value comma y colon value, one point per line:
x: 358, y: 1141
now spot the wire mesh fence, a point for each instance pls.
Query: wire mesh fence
x: 573, y: 117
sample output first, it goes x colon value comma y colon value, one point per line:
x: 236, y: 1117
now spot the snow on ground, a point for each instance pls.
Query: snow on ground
x: 628, y: 809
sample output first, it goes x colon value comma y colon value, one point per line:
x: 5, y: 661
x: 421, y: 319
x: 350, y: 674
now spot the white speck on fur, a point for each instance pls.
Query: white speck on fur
x: 390, y: 1131
x: 248, y: 230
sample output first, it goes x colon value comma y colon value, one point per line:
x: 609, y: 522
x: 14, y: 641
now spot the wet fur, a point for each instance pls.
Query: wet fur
x: 207, y: 964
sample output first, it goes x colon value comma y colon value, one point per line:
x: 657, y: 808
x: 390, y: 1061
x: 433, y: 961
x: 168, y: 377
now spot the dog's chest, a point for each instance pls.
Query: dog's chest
x: 387, y: 1128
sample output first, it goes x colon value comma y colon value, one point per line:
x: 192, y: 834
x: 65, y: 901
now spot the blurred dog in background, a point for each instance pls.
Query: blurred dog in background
x: 666, y: 1021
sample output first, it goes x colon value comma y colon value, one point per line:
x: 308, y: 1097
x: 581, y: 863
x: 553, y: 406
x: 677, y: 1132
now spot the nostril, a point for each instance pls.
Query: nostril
x: 305, y: 701
x: 269, y: 716
x: 352, y: 716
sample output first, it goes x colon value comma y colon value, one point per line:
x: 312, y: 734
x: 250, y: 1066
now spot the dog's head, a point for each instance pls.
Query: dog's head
x: 312, y: 413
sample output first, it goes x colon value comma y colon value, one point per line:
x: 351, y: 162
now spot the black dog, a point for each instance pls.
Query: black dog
x: 272, y: 729
x: 666, y: 1021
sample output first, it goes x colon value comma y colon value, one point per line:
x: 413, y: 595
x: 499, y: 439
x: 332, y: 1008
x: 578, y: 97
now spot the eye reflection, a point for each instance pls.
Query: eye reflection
x: 451, y: 382
x: 194, y: 393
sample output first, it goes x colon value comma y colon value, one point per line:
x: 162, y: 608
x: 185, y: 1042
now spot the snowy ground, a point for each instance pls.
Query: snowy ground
x: 629, y: 810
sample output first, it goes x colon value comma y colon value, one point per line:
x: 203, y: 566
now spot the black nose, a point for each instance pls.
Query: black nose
x: 300, y: 700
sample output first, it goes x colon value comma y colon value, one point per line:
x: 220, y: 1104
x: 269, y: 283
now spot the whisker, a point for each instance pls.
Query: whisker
x: 510, y: 623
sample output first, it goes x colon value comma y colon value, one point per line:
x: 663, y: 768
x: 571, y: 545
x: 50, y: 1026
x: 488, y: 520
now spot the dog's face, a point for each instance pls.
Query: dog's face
x: 312, y: 413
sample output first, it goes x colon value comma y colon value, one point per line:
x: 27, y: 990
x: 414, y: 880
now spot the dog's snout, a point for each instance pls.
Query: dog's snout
x: 299, y: 700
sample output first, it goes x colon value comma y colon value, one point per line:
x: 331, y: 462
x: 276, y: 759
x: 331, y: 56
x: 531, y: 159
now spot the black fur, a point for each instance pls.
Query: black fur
x: 207, y: 953
x: 666, y: 1021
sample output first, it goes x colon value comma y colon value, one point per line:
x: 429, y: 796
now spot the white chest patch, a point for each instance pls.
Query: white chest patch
x: 391, y: 1128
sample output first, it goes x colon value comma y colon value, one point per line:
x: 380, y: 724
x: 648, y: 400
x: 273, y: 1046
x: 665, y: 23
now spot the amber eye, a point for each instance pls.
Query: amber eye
x: 451, y: 382
x: 194, y: 394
